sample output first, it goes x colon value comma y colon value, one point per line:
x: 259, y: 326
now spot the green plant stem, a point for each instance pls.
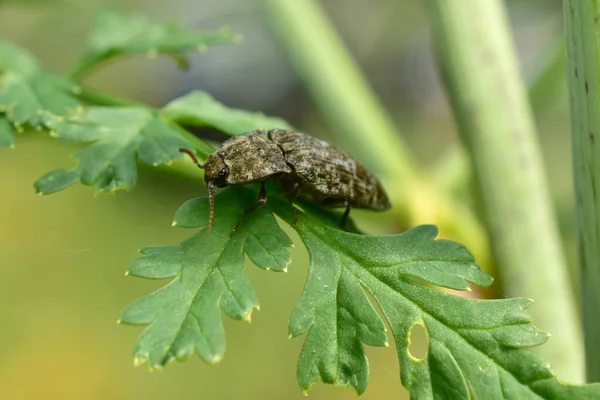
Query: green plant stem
x: 359, y: 122
x: 87, y: 65
x: 202, y: 148
x: 100, y: 98
x: 489, y: 99
x: 583, y: 58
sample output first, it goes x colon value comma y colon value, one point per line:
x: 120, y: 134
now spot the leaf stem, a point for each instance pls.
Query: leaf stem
x: 489, y: 99
x: 203, y: 148
x: 85, y: 65
x: 100, y: 98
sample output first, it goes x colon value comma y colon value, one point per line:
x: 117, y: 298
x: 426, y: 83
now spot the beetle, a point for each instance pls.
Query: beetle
x: 302, y: 166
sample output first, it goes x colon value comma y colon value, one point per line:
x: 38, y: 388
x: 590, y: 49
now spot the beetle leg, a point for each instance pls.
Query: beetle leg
x: 346, y: 214
x: 262, y: 199
x: 291, y: 199
x: 291, y: 187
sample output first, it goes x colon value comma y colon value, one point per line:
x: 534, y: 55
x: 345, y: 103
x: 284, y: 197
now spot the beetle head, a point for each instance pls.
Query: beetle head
x: 215, y: 173
x: 215, y: 170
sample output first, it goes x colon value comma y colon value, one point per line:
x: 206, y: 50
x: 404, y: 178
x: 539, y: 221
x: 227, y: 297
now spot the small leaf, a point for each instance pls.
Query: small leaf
x: 55, y: 181
x: 265, y: 245
x: 339, y: 318
x: 16, y: 59
x: 28, y: 94
x: 6, y: 133
x: 115, y: 35
x: 35, y: 98
x: 209, y: 275
x: 200, y: 109
x: 118, y: 137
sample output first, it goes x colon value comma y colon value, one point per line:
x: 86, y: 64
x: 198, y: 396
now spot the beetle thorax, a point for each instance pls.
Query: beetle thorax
x: 252, y: 158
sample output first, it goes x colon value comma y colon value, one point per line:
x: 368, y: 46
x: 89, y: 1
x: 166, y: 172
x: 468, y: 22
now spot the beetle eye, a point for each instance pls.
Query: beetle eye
x: 223, y: 171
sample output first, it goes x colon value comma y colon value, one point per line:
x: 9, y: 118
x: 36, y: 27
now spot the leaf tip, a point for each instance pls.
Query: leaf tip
x: 126, y: 273
x: 174, y: 223
x: 139, y: 360
x: 285, y: 270
x: 156, y: 367
x: 247, y: 318
x: 215, y: 359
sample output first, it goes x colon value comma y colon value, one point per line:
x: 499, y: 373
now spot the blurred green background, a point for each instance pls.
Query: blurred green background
x: 63, y: 257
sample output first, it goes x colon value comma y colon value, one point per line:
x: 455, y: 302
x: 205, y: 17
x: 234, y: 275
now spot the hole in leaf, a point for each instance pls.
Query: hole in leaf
x: 418, y: 342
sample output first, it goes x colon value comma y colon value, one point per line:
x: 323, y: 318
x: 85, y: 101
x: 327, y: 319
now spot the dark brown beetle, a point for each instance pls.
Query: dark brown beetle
x: 303, y: 166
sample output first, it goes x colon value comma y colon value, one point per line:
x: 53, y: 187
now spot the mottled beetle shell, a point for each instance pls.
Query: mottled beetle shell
x: 327, y: 175
x: 324, y: 174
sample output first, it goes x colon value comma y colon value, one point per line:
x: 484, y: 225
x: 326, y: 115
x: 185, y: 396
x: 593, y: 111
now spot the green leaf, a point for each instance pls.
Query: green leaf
x: 35, y: 98
x: 200, y: 109
x: 209, y: 275
x: 477, y: 348
x: 28, y: 94
x: 335, y: 310
x: 118, y: 137
x: 15, y: 59
x: 6, y: 133
x: 116, y: 34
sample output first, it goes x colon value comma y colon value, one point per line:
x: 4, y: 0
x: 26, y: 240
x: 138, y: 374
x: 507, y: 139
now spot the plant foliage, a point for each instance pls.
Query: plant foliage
x: 477, y: 348
x: 116, y: 34
x: 119, y: 136
x: 27, y: 93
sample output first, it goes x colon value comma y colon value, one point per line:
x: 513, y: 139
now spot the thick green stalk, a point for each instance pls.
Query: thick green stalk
x: 489, y: 100
x: 583, y: 54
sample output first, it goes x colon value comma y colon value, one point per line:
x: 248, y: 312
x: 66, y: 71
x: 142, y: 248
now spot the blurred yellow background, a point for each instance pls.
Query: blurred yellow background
x: 63, y: 257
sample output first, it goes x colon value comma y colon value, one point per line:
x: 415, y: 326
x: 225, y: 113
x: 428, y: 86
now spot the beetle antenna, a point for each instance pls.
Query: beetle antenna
x: 192, y: 156
x: 211, y: 200
x: 210, y: 184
